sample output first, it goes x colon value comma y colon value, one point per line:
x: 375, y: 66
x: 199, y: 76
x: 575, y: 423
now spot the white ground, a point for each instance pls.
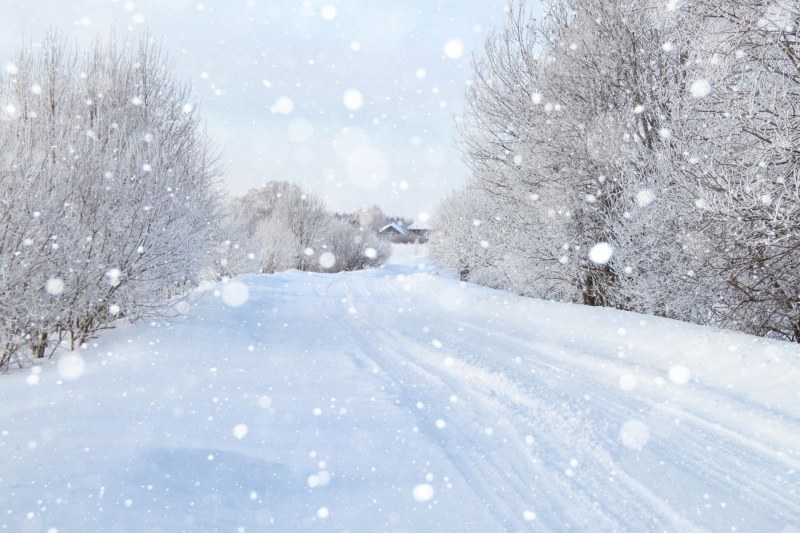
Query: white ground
x: 400, y: 400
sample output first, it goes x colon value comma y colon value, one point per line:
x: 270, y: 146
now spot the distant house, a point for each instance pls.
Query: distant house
x: 392, y: 230
x: 419, y: 229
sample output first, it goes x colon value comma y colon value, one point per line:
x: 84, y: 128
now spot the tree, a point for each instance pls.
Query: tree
x: 109, y: 204
x: 669, y: 132
x: 278, y: 226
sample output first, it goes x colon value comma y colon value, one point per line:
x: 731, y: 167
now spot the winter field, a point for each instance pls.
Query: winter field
x: 399, y: 399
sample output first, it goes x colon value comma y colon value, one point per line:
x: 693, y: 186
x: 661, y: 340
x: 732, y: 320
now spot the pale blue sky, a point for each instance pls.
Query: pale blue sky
x: 246, y: 57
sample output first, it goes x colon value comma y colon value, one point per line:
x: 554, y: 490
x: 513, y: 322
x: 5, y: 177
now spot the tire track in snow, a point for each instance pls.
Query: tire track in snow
x: 496, y: 396
x: 722, y: 471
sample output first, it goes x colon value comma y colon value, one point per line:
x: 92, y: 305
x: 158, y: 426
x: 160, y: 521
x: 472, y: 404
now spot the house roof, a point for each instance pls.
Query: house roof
x: 420, y: 226
x: 395, y: 227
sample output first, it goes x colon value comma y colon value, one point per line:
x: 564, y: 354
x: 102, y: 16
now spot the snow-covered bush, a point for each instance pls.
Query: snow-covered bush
x: 108, y: 206
x: 277, y: 227
x: 667, y: 135
x: 354, y: 248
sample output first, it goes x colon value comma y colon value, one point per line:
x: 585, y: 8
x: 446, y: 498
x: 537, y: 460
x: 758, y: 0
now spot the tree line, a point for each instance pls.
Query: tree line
x: 107, y: 192
x: 111, y: 205
x: 665, y: 132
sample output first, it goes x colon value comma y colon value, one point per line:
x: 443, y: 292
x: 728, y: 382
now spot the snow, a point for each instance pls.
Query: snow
x: 290, y: 413
x: 353, y: 99
x: 601, y: 253
x: 54, y: 286
x: 700, y: 88
x: 453, y: 48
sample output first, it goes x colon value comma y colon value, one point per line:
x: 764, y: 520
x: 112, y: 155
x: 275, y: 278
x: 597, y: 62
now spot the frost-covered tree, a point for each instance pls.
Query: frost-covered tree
x: 278, y: 226
x: 741, y: 134
x: 559, y: 110
x: 668, y: 130
x: 108, y: 200
x: 459, y: 235
x: 353, y: 247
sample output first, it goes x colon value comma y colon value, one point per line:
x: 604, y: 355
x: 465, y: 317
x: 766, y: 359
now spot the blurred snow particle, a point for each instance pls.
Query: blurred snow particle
x: 113, y: 309
x: 421, y: 73
x: 355, y: 46
x: 645, y: 197
x: 601, y: 253
x: 530, y: 516
x: 264, y: 402
x: 679, y: 375
x: 440, y: 423
x: 370, y: 253
x: 436, y: 343
x: 328, y: 12
x: 235, y: 293
x: 240, y: 430
x: 423, y: 216
x: 136, y: 100
x: 353, y: 100
x: 71, y: 366
x: 536, y: 98
x: 454, y: 48
x: 11, y: 68
x: 634, y: 434
x: 327, y: 260
x: 299, y: 130
x: 323, y: 512
x: 113, y: 276
x: 282, y: 106
x: 188, y: 108
x: 700, y: 88
x: 54, y: 286
x: 422, y: 492
x: 627, y: 382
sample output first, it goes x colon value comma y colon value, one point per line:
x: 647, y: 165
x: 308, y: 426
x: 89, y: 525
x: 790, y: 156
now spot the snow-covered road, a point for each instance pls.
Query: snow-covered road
x: 400, y: 400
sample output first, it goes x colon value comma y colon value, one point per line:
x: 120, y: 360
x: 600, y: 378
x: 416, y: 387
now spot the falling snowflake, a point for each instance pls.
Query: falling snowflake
x: 54, y: 286
x: 679, y: 375
x: 422, y: 492
x: 353, y: 99
x: 240, y: 431
x: 327, y: 260
x: 454, y: 48
x: 645, y: 197
x: 235, y: 293
x: 700, y: 88
x: 601, y: 253
x: 71, y: 366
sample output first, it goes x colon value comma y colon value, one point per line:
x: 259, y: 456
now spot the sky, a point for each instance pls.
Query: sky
x: 355, y: 100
